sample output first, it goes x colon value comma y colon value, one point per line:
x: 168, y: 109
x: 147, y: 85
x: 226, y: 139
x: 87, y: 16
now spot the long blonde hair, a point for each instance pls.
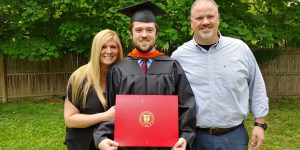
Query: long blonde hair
x: 88, y: 75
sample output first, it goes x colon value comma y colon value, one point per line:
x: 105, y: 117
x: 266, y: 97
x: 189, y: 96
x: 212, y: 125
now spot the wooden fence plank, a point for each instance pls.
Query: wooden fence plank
x: 3, y: 80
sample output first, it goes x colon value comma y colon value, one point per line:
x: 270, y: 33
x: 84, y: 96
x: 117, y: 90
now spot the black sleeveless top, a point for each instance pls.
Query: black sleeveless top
x: 82, y: 138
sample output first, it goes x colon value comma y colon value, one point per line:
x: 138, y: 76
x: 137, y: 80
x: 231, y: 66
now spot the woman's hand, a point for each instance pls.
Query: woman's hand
x: 110, y: 114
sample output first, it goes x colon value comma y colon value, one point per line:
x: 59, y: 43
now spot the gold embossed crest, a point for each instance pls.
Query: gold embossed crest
x: 146, y: 119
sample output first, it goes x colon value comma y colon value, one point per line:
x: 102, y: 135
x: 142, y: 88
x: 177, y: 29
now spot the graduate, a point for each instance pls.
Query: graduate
x: 147, y: 71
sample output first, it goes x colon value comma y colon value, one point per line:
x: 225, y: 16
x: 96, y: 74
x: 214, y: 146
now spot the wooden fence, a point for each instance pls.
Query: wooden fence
x: 282, y: 75
x: 21, y: 78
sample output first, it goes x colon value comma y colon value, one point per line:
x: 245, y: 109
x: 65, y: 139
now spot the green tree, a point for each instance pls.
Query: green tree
x: 38, y: 29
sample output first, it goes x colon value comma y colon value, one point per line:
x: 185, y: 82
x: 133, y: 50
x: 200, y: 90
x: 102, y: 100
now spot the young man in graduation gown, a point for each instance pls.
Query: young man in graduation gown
x: 146, y: 71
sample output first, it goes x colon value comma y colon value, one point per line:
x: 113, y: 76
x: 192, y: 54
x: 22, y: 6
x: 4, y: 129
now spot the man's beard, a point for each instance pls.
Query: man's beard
x: 206, y: 35
x: 144, y: 51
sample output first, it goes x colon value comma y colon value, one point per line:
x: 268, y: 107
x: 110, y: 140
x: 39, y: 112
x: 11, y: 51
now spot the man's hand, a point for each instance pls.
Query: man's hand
x: 258, y: 137
x: 180, y: 145
x: 108, y: 144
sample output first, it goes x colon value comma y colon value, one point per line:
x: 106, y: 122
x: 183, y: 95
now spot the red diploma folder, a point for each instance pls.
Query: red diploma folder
x: 146, y: 120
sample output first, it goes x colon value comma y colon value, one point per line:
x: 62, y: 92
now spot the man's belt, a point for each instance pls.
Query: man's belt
x: 219, y: 131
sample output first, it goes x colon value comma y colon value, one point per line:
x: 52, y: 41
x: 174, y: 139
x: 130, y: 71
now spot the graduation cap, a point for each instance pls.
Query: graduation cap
x: 142, y: 12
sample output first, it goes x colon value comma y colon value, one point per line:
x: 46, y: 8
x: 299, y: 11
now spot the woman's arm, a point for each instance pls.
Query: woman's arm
x: 74, y: 119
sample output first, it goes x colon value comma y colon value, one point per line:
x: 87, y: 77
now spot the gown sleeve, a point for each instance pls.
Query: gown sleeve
x: 187, y: 106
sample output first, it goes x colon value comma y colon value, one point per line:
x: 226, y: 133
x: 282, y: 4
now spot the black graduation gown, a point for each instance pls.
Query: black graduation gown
x: 164, y: 77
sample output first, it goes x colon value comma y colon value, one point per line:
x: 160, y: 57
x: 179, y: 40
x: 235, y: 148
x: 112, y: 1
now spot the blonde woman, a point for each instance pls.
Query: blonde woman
x: 85, y: 106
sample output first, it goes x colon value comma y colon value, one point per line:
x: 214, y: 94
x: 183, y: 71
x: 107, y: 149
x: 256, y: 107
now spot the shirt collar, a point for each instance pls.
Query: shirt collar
x: 215, y: 45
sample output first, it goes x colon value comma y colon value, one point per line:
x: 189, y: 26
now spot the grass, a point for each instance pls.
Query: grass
x: 32, y: 125
x: 284, y: 125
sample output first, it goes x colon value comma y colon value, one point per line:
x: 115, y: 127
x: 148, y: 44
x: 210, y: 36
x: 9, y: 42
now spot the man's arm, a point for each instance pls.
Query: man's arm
x: 258, y: 134
x: 108, y: 144
x: 258, y: 100
x: 187, y: 106
x: 104, y: 131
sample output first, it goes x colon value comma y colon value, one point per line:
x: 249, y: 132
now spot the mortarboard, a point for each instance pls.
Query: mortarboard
x: 142, y: 12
